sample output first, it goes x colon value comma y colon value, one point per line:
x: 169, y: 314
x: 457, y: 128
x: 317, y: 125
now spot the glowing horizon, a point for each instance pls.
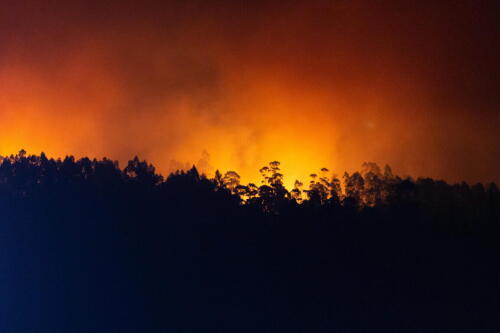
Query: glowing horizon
x: 310, y: 85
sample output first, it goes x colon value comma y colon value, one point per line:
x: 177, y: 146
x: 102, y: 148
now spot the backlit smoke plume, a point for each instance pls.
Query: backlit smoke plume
x: 233, y: 85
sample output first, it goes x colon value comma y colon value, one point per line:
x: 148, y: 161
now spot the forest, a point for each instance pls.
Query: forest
x: 87, y: 246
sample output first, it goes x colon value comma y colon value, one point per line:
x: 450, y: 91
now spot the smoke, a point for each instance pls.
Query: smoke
x: 233, y: 85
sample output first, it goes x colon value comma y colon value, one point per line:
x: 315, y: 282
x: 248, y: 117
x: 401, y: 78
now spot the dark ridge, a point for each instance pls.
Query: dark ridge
x: 89, y: 247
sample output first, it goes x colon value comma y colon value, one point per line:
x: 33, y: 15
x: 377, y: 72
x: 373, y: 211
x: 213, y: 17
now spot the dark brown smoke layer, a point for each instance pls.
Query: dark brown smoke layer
x: 236, y: 84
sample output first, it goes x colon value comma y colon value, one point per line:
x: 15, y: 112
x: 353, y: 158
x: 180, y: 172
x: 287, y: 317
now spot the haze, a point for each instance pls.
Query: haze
x: 233, y: 85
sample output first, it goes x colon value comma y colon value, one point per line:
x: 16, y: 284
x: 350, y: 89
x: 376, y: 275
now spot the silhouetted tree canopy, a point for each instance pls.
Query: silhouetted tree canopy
x: 90, y: 247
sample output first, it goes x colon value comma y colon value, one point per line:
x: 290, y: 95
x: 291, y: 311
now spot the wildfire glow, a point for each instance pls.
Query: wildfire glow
x: 327, y: 85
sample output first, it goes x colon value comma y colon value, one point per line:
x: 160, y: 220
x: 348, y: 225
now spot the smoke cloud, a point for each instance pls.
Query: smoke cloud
x: 233, y: 85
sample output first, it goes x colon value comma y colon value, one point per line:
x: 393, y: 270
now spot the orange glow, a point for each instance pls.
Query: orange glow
x: 233, y: 89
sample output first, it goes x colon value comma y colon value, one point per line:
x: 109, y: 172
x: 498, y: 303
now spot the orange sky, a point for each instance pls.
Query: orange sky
x: 233, y: 85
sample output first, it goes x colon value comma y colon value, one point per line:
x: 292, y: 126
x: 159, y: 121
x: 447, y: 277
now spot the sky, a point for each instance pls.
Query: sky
x: 233, y: 85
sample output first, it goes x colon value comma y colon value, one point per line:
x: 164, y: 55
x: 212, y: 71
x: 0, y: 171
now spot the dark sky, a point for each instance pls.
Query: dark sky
x: 235, y: 84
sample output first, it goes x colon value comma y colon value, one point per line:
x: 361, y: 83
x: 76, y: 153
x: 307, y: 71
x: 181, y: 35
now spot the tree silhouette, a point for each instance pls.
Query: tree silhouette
x: 217, y: 248
x: 142, y: 172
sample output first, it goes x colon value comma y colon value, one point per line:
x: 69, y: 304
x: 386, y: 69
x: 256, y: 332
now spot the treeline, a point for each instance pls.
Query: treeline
x: 32, y: 176
x: 87, y: 246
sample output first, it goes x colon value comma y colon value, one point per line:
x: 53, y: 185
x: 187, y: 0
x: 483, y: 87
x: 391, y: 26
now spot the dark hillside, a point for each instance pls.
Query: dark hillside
x: 89, y: 247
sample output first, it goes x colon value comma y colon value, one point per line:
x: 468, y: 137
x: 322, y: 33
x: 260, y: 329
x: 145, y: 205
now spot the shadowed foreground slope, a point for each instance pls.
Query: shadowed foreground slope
x: 88, y: 247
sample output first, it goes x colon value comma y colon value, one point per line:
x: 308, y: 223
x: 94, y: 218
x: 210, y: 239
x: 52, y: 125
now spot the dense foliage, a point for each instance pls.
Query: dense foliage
x: 89, y: 247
